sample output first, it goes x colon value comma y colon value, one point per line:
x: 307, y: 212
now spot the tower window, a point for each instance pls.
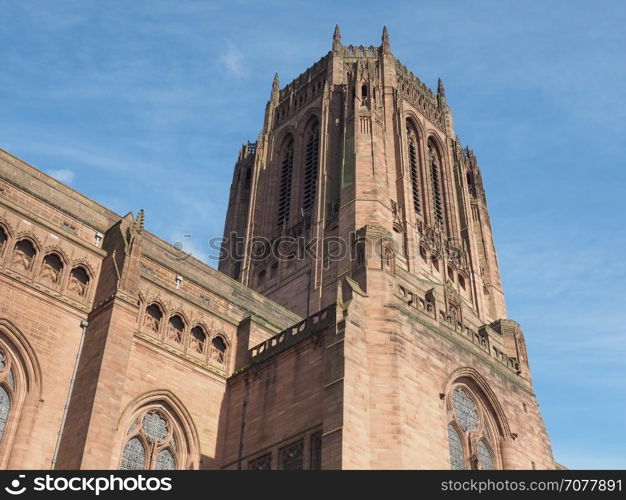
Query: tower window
x: 198, y: 339
x: 414, y: 168
x: 284, y: 191
x: 471, y: 439
x: 79, y: 281
x: 51, y: 268
x: 3, y: 238
x: 435, y: 172
x: 311, y: 162
x: 364, y: 92
x: 450, y: 273
x: 152, y: 318
x: 24, y: 255
x: 175, y: 329
x: 457, y: 458
x: 152, y: 443
x: 218, y: 350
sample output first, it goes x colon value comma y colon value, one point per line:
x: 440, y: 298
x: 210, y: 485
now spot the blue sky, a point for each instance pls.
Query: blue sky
x: 144, y: 104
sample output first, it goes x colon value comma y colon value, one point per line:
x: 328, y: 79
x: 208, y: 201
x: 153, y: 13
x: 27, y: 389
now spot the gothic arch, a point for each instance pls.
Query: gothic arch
x: 85, y: 265
x: 310, y: 116
x: 8, y: 233
x: 431, y: 135
x: 476, y: 426
x: 473, y: 379
x: 27, y: 235
x: 281, y: 138
x: 22, y: 386
x: 60, y: 254
x: 412, y: 118
x: 309, y: 152
x: 163, y: 401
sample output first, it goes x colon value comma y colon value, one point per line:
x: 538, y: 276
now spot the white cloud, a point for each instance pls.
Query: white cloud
x: 233, y: 60
x: 64, y: 175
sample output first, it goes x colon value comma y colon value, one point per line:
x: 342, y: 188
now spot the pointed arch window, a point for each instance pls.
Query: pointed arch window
x: 414, y: 167
x: 311, y: 167
x: 51, y: 268
x: 218, y: 350
x: 12, y: 394
x: 471, y: 439
x: 3, y: 239
x: 435, y: 179
x: 7, y: 389
x: 152, y: 318
x: 23, y: 255
x: 284, y: 191
x: 457, y: 457
x: 198, y: 340
x: 79, y: 281
x: 150, y: 442
x: 175, y: 329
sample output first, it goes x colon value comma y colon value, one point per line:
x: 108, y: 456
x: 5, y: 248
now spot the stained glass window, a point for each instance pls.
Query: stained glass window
x: 155, y: 427
x: 160, y: 453
x: 134, y: 456
x: 485, y: 459
x: 2, y: 363
x: 457, y: 460
x: 11, y: 380
x: 262, y: 463
x: 465, y: 409
x: 165, y: 461
x: 290, y: 457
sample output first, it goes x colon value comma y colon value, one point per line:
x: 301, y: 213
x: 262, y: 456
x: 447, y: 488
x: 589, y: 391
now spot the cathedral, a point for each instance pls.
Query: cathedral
x: 357, y: 319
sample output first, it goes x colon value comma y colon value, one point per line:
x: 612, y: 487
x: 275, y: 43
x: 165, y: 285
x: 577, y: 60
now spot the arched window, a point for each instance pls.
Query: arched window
x: 470, y: 436
x: 152, y: 318
x: 414, y: 166
x: 7, y: 391
x: 3, y: 239
x: 450, y: 273
x: 79, y: 281
x: 51, y: 268
x: 23, y: 255
x: 457, y: 457
x: 150, y: 443
x: 311, y: 166
x: 175, y: 329
x: 462, y: 281
x: 435, y: 179
x: 198, y: 340
x: 284, y: 191
x: 218, y: 350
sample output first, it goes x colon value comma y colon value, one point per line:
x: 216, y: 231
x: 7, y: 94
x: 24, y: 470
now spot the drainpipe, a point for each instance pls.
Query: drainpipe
x: 244, y: 406
x: 83, y: 325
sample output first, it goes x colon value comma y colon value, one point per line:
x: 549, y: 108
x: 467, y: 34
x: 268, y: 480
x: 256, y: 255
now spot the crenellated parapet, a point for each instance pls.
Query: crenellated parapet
x: 314, y: 324
x: 414, y: 91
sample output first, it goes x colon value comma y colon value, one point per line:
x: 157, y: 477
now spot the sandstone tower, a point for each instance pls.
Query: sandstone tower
x: 359, y: 197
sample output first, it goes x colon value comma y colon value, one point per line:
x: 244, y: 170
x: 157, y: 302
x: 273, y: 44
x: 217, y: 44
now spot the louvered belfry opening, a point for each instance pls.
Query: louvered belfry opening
x: 436, y: 183
x: 284, y: 192
x: 413, y: 165
x: 311, y: 163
